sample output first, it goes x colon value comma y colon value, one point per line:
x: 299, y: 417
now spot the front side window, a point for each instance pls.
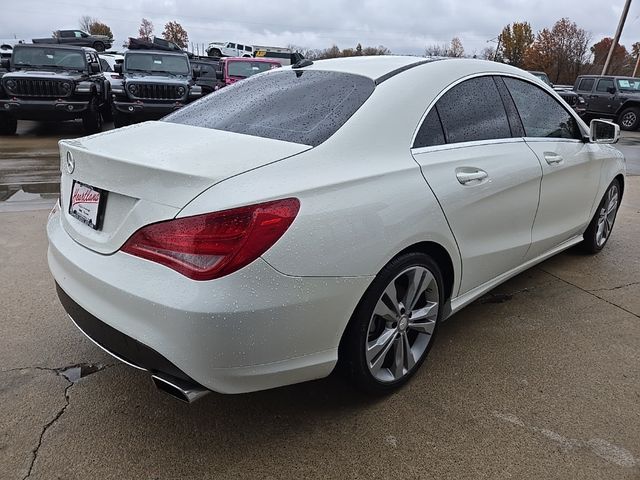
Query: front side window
x: 305, y: 107
x: 105, y: 65
x: 78, y: 34
x: 586, y: 84
x: 541, y: 114
x: 240, y: 47
x: 473, y: 110
x: 604, y: 85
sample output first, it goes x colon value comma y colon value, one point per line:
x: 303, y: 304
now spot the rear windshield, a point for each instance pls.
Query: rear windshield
x: 296, y: 106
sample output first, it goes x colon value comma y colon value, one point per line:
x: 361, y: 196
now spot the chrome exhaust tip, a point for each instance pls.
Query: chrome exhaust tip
x: 179, y: 389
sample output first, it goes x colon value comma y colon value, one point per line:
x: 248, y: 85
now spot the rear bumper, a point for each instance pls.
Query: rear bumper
x: 252, y: 330
x: 53, y: 109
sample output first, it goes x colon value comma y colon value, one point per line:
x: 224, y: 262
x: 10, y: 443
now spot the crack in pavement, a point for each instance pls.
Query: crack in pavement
x: 71, y: 373
x: 590, y: 292
x: 614, y: 288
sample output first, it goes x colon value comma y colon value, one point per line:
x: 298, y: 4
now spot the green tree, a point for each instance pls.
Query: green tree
x: 514, y: 41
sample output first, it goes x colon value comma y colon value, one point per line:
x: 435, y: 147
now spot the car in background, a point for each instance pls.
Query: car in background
x: 229, y: 49
x: 108, y: 63
x: 575, y: 101
x: 206, y: 77
x: 333, y: 212
x: 232, y: 70
x: 78, y: 38
x: 613, y: 97
x: 53, y: 82
x: 151, y: 83
x: 284, y: 55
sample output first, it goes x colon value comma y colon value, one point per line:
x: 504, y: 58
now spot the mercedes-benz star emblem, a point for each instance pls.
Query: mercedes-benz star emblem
x: 70, y: 163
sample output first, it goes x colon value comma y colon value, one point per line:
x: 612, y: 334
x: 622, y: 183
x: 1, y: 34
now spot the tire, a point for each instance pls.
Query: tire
x: 120, y: 120
x: 214, y: 52
x: 98, y: 46
x: 8, y: 125
x: 369, y: 350
x: 107, y: 115
x: 629, y: 118
x: 92, y: 119
x: 599, y: 230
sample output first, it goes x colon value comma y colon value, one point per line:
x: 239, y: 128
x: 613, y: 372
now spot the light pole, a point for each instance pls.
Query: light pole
x: 616, y: 39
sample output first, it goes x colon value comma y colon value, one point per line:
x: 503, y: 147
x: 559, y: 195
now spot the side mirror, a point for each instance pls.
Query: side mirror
x: 197, y: 71
x: 601, y: 131
x: 5, y: 63
x: 611, y: 90
x: 219, y: 75
x: 118, y: 68
x: 94, y: 67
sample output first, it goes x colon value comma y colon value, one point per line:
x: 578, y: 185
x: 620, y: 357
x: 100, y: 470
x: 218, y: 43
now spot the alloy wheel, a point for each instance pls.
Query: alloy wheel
x: 629, y: 119
x: 402, y: 324
x: 607, y: 215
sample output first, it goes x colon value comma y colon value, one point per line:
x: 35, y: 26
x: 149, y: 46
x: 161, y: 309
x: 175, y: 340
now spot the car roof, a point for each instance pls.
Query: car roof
x: 383, y: 67
x: 251, y: 59
x: 53, y: 45
x: 164, y: 52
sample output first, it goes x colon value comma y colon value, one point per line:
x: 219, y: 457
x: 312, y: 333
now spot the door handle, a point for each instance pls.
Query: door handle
x: 553, y: 158
x: 470, y: 176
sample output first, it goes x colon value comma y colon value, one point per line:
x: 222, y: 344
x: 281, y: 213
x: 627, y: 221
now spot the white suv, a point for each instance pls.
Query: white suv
x: 229, y: 49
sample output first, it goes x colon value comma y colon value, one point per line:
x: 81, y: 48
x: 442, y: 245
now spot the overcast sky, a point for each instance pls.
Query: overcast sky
x: 404, y: 26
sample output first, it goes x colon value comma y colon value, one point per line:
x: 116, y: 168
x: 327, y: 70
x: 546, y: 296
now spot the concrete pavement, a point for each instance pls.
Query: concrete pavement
x: 539, y: 379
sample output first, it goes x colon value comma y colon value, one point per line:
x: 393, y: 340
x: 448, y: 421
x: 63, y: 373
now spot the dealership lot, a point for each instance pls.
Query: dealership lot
x: 539, y: 379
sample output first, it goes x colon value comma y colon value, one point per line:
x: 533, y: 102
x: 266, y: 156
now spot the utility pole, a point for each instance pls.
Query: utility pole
x: 637, y: 63
x: 623, y: 18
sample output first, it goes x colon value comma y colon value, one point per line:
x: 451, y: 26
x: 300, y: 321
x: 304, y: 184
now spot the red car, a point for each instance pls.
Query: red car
x: 233, y: 69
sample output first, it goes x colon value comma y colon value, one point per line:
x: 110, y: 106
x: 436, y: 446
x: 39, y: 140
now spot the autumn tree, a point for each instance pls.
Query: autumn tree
x: 514, y: 41
x: 174, y: 32
x: 619, y: 59
x: 99, y: 28
x: 146, y: 30
x: 560, y: 52
x: 455, y: 48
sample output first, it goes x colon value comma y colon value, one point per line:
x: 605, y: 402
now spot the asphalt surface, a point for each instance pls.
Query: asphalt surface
x: 539, y: 379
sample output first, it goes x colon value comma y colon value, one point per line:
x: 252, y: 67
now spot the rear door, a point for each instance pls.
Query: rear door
x: 483, y: 174
x: 570, y: 168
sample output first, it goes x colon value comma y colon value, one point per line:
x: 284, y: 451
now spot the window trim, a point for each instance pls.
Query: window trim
x: 435, y: 99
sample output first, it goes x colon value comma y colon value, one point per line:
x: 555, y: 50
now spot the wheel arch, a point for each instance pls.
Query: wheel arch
x: 628, y: 104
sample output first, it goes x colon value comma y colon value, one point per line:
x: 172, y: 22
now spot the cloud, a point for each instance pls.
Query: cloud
x: 404, y: 26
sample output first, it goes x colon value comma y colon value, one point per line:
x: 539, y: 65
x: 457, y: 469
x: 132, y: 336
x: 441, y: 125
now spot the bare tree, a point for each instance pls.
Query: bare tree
x: 488, y: 53
x: 436, y: 50
x: 455, y: 48
x: 146, y: 29
x: 85, y: 22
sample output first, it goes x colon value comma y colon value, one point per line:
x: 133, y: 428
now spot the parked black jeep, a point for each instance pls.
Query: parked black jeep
x: 152, y: 84
x: 51, y: 82
x: 575, y: 101
x: 207, y: 78
x: 617, y: 98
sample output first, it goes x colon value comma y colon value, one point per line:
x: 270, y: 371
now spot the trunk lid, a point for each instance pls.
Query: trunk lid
x: 150, y: 171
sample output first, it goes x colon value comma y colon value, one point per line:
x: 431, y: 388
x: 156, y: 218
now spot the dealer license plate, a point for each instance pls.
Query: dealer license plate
x: 87, y: 204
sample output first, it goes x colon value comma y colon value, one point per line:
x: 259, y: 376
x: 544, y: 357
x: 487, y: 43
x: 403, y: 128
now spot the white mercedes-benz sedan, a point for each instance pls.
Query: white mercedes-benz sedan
x: 329, y: 212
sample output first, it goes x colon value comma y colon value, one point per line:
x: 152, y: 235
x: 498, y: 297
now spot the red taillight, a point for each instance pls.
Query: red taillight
x: 204, y: 247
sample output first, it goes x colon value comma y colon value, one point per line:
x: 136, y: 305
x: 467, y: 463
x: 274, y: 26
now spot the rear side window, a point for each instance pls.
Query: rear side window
x: 586, y: 84
x: 304, y: 107
x: 604, y: 85
x: 472, y: 111
x: 541, y: 114
x: 430, y: 132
